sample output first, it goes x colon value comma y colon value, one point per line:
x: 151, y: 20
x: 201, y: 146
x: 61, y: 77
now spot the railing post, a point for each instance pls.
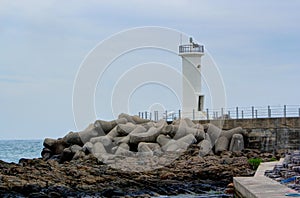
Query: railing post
x: 237, y: 113
x: 217, y: 115
x: 228, y: 114
x: 139, y: 114
x: 166, y: 115
x: 193, y: 114
x: 242, y: 114
x: 269, y: 111
x: 222, y: 112
x: 179, y: 114
x: 255, y: 113
x: 142, y: 115
x: 207, y: 114
x: 299, y: 111
x: 252, y: 112
x: 146, y: 114
x: 150, y: 115
x: 284, y: 111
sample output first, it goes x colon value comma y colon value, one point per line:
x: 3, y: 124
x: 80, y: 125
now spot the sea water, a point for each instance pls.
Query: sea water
x: 13, y: 150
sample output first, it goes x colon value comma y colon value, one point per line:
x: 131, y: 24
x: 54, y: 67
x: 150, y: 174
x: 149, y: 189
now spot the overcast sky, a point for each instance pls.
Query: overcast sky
x: 255, y: 44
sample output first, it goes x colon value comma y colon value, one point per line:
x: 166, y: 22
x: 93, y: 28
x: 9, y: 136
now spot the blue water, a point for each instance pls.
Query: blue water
x: 13, y: 150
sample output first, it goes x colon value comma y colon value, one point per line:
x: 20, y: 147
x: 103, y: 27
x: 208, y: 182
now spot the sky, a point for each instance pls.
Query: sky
x: 255, y: 45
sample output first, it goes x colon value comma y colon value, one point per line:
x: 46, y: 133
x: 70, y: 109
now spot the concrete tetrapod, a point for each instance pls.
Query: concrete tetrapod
x: 131, y: 136
x: 205, y: 146
x: 214, y: 132
x: 221, y: 144
x: 237, y: 143
x: 123, y: 150
x: 104, y: 126
x: 125, y: 129
x: 149, y: 136
x: 181, y: 144
x: 145, y: 147
x: 231, y: 132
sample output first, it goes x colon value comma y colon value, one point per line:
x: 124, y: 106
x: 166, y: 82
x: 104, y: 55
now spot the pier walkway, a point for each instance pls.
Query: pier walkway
x: 260, y: 186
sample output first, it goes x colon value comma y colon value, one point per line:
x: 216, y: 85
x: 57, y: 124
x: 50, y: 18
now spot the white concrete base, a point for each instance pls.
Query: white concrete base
x: 260, y: 186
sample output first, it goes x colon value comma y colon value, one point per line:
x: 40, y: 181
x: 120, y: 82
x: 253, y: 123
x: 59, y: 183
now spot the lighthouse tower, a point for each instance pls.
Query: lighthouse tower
x: 192, y: 98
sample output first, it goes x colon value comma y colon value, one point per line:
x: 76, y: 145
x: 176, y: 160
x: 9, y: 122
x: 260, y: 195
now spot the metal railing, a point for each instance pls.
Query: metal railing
x: 280, y: 111
x: 191, y: 48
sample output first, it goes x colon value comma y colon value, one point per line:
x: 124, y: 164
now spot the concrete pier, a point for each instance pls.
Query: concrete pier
x: 260, y: 186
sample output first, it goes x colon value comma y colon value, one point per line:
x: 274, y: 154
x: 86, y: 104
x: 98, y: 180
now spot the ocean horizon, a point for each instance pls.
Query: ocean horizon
x: 13, y: 150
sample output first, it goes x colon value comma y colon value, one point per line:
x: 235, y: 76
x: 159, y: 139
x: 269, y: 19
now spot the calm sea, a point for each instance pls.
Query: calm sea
x: 13, y: 150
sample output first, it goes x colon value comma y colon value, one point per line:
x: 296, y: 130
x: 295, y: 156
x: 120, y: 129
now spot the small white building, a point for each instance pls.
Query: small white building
x: 192, y: 97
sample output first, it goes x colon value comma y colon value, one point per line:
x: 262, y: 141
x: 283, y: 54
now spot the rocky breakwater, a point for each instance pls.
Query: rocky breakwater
x: 134, y: 144
x: 131, y: 156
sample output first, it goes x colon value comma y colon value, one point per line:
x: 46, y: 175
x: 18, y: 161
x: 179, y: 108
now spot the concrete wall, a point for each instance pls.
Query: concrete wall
x: 266, y: 134
x: 262, y: 123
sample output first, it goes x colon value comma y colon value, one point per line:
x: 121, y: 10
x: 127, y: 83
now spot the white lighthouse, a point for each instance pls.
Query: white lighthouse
x: 192, y: 98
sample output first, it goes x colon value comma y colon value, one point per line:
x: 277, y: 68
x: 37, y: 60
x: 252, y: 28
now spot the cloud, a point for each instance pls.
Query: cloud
x: 255, y: 44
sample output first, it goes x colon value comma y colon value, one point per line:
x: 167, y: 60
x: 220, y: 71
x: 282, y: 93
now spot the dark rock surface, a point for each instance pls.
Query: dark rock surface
x: 88, y: 176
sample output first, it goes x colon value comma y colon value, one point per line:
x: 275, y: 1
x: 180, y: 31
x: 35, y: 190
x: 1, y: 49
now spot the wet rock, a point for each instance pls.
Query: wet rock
x: 67, y: 155
x: 56, y: 146
x: 46, y: 153
x: 73, y: 138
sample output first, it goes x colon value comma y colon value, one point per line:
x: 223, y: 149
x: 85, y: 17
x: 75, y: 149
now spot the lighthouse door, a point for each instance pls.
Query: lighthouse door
x: 200, y: 103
